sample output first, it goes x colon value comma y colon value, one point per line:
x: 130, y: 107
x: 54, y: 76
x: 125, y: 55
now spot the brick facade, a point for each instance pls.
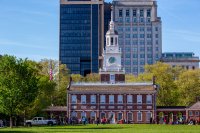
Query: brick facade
x: 127, y: 110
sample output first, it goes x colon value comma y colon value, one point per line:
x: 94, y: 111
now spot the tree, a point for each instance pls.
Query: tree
x: 189, y: 86
x: 165, y: 77
x: 93, y: 77
x: 60, y: 95
x: 77, y: 78
x: 18, y: 85
x: 130, y: 78
x: 61, y: 79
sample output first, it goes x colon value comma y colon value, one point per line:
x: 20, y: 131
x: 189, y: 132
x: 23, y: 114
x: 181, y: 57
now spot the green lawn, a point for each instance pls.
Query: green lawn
x: 107, y: 129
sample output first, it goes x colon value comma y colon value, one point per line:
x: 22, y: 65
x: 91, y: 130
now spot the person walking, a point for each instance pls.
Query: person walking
x: 84, y: 120
x: 98, y: 121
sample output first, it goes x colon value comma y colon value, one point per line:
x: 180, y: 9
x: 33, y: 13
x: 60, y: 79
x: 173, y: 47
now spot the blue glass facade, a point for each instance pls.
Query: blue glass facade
x: 79, y: 41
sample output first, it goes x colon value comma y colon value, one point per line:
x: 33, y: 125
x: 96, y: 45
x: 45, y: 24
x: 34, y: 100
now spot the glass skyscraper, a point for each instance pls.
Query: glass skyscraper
x: 81, y: 35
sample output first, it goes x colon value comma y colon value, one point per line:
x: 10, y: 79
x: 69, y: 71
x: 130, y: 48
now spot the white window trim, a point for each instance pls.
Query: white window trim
x: 84, y: 115
x: 82, y: 101
x: 147, y: 115
x: 112, y: 100
x: 138, y: 115
x: 73, y: 102
x: 129, y: 101
x: 95, y: 99
x: 139, y: 102
x: 104, y: 101
x: 118, y: 116
x: 147, y: 99
x: 131, y: 116
x: 191, y: 113
x: 121, y: 100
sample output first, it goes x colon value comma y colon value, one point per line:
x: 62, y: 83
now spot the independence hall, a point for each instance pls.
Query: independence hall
x: 112, y: 99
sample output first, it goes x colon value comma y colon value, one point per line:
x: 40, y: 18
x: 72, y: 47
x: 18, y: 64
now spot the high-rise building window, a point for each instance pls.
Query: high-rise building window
x: 83, y: 99
x: 127, y: 35
x: 135, y: 50
x: 149, y: 36
x: 134, y: 12
x: 128, y: 20
x: 156, y: 42
x: 141, y: 20
x: 156, y: 28
x: 141, y: 28
x: 127, y: 13
x: 135, y: 42
x: 141, y: 13
x: 142, y: 42
x: 149, y: 29
x: 120, y: 13
x: 127, y: 29
x: 141, y: 69
x: 141, y: 35
x: 135, y: 55
x: 142, y: 49
x: 135, y: 35
x: 111, y: 99
x: 120, y: 99
x: 135, y: 29
x: 157, y: 49
x: 135, y: 62
x: 102, y: 99
x: 135, y: 69
x: 156, y: 35
x: 134, y: 20
x: 149, y: 13
x: 142, y: 62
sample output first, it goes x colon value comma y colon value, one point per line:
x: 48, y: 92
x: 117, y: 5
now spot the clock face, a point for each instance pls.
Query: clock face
x: 112, y: 60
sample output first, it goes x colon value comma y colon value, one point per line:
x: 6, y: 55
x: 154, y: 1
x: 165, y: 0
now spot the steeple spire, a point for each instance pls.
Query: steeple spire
x: 112, y: 24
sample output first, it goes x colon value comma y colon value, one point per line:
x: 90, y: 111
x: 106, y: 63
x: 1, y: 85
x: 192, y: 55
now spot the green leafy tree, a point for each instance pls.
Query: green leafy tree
x: 93, y: 77
x: 189, y: 86
x: 130, y: 78
x: 60, y: 97
x: 165, y: 77
x: 18, y: 85
x: 77, y: 78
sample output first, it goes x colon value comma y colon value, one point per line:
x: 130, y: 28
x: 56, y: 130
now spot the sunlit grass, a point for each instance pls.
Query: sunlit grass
x: 134, y: 128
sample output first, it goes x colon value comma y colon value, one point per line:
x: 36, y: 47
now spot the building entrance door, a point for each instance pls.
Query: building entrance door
x: 111, y: 117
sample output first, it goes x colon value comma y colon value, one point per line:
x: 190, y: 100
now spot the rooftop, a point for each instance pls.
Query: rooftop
x: 109, y: 84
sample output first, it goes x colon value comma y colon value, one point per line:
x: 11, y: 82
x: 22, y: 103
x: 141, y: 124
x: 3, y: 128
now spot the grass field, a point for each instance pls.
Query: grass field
x: 106, y: 129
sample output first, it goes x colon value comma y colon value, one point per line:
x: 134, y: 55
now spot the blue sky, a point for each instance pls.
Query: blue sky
x: 30, y: 28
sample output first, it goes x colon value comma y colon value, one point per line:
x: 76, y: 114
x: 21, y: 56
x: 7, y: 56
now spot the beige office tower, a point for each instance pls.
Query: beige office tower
x: 140, y: 33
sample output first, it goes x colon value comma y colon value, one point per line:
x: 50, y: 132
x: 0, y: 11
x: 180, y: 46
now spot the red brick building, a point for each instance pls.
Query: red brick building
x: 134, y: 102
x: 193, y: 112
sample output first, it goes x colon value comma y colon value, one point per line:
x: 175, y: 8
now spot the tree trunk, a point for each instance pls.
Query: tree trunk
x: 11, y: 122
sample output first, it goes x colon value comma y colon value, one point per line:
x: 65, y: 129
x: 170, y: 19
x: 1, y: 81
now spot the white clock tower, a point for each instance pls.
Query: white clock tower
x: 112, y: 54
